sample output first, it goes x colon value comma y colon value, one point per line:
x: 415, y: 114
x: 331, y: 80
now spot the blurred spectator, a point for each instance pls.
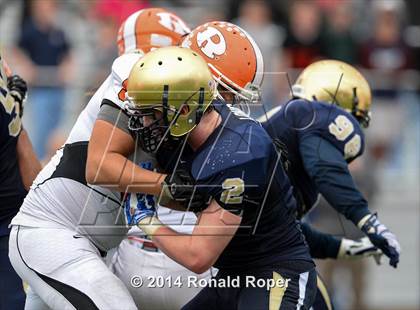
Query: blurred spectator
x: 303, y: 42
x: 278, y: 9
x: 386, y: 50
x: 44, y: 56
x: 255, y: 18
x: 106, y: 48
x: 118, y: 10
x: 338, y: 40
x: 106, y: 16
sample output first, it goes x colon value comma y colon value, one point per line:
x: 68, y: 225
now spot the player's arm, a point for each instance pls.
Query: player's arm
x: 109, y: 148
x: 214, y: 229
x: 108, y: 165
x: 199, y: 251
x: 29, y: 165
x: 327, y: 167
x: 322, y: 245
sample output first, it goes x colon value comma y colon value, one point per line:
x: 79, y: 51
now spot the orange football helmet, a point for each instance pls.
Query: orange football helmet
x: 234, y: 58
x: 150, y: 28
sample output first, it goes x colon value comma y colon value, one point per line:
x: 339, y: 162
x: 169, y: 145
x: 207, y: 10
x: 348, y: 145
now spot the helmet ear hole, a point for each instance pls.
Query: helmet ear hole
x: 180, y: 58
x: 160, y: 63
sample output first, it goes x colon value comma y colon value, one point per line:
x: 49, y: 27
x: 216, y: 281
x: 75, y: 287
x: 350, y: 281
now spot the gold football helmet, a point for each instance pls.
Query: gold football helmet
x: 338, y: 83
x: 177, y: 83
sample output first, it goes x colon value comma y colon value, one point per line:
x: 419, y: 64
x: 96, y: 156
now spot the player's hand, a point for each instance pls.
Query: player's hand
x: 137, y: 207
x: 18, y: 88
x: 355, y: 249
x: 382, y: 238
x: 180, y: 187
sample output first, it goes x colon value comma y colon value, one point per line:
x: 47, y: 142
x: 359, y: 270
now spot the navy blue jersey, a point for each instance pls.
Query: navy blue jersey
x: 12, y: 191
x: 239, y: 167
x: 318, y: 140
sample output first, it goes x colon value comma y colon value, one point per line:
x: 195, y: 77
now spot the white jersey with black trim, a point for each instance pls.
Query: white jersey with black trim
x: 60, y: 195
x: 112, y: 89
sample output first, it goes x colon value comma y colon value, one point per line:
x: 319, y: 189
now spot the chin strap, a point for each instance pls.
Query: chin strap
x: 165, y: 98
x: 363, y: 117
x: 200, y: 110
x: 355, y: 100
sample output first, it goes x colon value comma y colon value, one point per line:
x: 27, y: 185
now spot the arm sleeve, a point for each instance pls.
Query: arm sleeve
x: 326, y: 166
x: 321, y: 245
x: 112, y: 114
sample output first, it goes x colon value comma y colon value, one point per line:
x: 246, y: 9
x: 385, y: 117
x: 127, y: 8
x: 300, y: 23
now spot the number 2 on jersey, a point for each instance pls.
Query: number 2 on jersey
x: 233, y: 190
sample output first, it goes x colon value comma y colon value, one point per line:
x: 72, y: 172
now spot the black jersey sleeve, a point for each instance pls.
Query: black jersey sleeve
x: 321, y: 245
x: 327, y: 167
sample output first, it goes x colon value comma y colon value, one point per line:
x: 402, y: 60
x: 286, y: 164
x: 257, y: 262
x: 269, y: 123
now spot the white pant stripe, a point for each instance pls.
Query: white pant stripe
x: 303, y: 280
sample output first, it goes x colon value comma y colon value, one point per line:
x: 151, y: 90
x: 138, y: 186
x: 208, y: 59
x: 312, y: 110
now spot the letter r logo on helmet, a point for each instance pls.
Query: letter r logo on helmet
x: 209, y: 46
x: 234, y: 58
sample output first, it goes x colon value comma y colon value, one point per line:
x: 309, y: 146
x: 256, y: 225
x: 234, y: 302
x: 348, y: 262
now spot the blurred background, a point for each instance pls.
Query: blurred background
x: 64, y: 49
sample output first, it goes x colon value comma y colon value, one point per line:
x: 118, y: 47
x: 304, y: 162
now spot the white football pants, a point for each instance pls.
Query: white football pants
x: 165, y: 282
x: 65, y: 270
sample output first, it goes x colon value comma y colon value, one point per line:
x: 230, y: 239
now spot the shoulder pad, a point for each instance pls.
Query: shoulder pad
x: 121, y: 69
x: 122, y: 65
x: 300, y: 113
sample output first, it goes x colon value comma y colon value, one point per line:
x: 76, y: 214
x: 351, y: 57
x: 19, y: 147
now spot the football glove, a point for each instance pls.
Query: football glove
x: 138, y: 207
x: 18, y: 88
x: 180, y: 187
x: 354, y: 249
x: 381, y: 237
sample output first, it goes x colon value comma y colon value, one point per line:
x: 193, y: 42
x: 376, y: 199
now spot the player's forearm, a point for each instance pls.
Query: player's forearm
x: 321, y: 245
x: 184, y: 249
x: 328, y: 168
x: 108, y: 164
x: 345, y: 198
x: 115, y: 171
x: 29, y: 165
x: 214, y: 230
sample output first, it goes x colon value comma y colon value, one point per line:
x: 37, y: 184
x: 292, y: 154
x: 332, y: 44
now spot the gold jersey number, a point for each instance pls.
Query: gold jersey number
x: 342, y: 128
x: 233, y: 191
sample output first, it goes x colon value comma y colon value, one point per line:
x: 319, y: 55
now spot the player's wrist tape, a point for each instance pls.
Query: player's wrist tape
x: 150, y: 225
x: 363, y: 221
x: 343, y: 249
